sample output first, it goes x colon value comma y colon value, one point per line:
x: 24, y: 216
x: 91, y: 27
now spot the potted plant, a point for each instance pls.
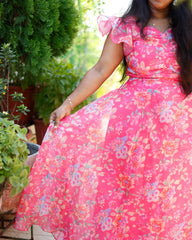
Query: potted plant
x: 13, y: 154
x: 56, y: 82
x: 13, y: 147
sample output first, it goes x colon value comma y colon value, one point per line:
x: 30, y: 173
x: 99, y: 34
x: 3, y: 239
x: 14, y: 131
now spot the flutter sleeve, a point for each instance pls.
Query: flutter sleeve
x: 119, y: 31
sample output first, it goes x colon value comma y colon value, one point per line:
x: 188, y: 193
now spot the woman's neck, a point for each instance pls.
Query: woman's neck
x: 160, y: 14
x: 159, y: 19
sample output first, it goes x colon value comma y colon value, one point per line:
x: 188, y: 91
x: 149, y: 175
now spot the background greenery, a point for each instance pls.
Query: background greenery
x: 85, y: 49
x: 57, y: 81
x: 37, y: 30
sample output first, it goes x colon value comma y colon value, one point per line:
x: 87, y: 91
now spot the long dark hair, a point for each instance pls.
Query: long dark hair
x: 181, y: 23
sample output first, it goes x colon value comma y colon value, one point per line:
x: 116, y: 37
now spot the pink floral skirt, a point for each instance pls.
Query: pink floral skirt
x: 119, y: 168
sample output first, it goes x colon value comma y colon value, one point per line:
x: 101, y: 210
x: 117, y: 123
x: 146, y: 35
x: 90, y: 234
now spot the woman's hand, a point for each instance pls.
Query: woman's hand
x: 61, y: 112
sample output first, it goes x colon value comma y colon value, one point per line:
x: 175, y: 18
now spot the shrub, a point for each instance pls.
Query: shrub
x: 37, y: 30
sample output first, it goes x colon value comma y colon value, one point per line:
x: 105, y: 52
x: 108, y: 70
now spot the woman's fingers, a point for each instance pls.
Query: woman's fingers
x: 59, y: 113
x: 57, y: 120
x: 52, y: 117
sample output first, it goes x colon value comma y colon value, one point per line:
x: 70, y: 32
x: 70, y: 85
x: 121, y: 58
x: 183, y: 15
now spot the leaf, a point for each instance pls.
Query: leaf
x: 17, y: 169
x: 2, y: 179
x: 25, y: 183
x: 14, y: 181
x: 4, y: 160
x: 21, y: 135
x: 15, y: 190
x: 24, y: 173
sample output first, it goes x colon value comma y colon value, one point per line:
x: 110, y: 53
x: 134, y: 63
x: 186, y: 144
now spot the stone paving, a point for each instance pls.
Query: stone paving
x: 37, y: 231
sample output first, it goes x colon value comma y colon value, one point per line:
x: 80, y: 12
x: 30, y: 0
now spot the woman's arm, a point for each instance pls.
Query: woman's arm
x: 111, y: 57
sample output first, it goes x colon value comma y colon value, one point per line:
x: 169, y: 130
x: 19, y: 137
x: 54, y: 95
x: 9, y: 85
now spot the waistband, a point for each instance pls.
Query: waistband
x: 154, y: 78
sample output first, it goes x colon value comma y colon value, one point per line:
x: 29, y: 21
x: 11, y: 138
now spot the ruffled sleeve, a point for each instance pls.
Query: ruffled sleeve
x: 119, y: 31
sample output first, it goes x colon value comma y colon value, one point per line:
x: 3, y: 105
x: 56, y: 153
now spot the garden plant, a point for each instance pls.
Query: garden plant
x: 13, y: 149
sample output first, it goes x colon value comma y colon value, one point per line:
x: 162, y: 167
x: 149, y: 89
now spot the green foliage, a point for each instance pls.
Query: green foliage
x: 57, y: 81
x: 7, y: 59
x: 113, y: 82
x: 13, y: 154
x: 37, y: 30
x: 13, y: 149
x: 85, y: 52
x: 3, y: 87
x: 181, y: 1
x: 85, y: 6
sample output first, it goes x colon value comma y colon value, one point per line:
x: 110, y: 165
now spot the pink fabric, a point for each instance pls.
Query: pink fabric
x: 119, y: 32
x: 120, y: 168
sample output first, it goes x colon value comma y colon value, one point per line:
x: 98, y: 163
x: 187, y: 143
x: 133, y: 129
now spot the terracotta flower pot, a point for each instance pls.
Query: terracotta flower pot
x: 40, y: 129
x: 7, y: 203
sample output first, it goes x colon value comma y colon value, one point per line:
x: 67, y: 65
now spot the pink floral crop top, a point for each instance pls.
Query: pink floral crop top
x: 151, y: 57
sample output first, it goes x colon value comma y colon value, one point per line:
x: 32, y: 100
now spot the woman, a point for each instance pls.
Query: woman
x: 120, y: 168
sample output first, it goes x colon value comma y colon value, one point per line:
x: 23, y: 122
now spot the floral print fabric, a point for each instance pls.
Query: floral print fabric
x: 120, y: 168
